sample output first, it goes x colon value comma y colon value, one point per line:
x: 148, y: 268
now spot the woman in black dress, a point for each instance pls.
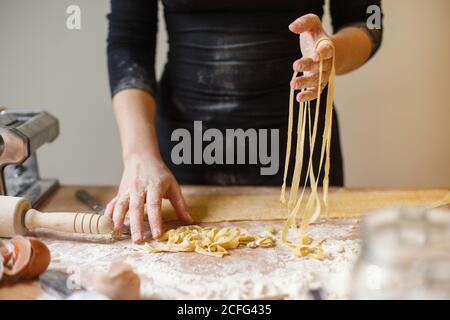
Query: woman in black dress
x: 229, y: 66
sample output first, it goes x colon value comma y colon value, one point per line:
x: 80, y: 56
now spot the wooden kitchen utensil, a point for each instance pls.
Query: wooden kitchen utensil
x: 17, y: 218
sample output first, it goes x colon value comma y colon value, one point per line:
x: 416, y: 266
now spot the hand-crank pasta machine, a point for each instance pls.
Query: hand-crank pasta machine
x: 21, y: 134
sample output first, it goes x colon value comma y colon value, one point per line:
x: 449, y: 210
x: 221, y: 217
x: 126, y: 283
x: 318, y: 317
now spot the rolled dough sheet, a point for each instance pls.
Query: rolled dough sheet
x: 343, y: 203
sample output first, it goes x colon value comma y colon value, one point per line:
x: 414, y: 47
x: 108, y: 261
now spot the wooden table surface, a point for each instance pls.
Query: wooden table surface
x: 64, y: 200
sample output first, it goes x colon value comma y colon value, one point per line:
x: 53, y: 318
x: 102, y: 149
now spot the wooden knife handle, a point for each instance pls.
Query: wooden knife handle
x: 68, y: 222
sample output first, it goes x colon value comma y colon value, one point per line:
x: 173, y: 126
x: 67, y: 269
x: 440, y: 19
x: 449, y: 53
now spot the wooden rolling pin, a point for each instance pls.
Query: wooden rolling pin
x: 17, y: 218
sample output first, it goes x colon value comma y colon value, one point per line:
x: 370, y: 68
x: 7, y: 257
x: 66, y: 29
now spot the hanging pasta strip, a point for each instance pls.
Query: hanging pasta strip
x: 306, y: 216
x: 292, y: 215
x: 298, y: 157
x: 326, y: 138
x: 312, y: 140
x: 291, y: 220
x: 289, y: 140
x: 295, y: 179
x: 330, y: 96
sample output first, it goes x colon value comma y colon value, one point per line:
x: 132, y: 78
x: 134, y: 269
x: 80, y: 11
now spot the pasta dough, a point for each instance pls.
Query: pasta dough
x: 256, y: 204
x: 211, y: 241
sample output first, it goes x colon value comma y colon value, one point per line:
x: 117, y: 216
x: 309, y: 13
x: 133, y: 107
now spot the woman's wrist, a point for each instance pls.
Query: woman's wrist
x: 140, y: 155
x: 352, y: 47
x: 134, y: 111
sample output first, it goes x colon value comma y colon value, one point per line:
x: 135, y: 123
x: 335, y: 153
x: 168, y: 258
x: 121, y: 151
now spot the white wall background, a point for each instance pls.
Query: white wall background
x: 394, y: 112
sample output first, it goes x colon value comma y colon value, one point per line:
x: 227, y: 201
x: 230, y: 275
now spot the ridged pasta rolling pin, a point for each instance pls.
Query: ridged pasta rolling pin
x: 18, y: 218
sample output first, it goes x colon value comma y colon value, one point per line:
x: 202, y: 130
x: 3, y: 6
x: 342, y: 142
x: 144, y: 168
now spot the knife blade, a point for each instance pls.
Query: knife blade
x: 86, y: 198
x: 57, y: 284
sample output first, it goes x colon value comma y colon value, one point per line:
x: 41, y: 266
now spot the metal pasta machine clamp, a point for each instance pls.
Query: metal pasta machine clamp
x: 21, y: 134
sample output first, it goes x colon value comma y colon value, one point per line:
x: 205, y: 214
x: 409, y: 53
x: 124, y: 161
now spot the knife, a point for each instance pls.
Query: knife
x: 56, y: 283
x: 90, y: 201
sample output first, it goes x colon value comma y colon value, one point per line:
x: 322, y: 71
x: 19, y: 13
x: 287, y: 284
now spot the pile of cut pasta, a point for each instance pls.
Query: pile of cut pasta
x: 210, y: 241
x: 310, y: 206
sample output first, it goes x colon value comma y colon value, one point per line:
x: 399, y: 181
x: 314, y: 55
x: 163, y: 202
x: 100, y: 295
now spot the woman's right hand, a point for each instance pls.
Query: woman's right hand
x: 146, y: 180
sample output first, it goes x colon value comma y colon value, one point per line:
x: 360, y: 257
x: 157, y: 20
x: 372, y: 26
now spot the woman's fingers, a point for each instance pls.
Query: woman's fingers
x: 110, y: 208
x: 120, y: 210
x: 308, y: 22
x: 310, y: 78
x: 309, y: 81
x: 307, y: 64
x: 307, y: 95
x: 178, y: 203
x: 137, y: 205
x: 305, y: 82
x: 310, y: 93
x: 324, y: 50
x: 303, y: 64
x: 154, y: 199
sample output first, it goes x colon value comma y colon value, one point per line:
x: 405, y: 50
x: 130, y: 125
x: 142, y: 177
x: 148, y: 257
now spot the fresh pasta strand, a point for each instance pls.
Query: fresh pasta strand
x: 329, y: 121
x: 313, y: 207
x: 289, y: 140
x: 310, y: 173
x: 291, y: 221
x: 299, y: 155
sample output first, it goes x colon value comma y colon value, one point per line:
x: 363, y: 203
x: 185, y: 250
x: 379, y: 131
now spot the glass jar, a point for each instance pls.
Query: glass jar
x: 405, y: 255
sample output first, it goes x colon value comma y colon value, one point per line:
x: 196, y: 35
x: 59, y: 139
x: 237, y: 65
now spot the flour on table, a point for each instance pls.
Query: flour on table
x: 245, y: 274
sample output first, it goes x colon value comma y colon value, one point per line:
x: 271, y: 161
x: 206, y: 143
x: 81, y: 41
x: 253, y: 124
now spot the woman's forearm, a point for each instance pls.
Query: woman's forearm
x: 135, y: 115
x: 353, y: 47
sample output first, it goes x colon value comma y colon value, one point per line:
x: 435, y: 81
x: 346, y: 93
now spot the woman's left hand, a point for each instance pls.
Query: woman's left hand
x: 310, y: 29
